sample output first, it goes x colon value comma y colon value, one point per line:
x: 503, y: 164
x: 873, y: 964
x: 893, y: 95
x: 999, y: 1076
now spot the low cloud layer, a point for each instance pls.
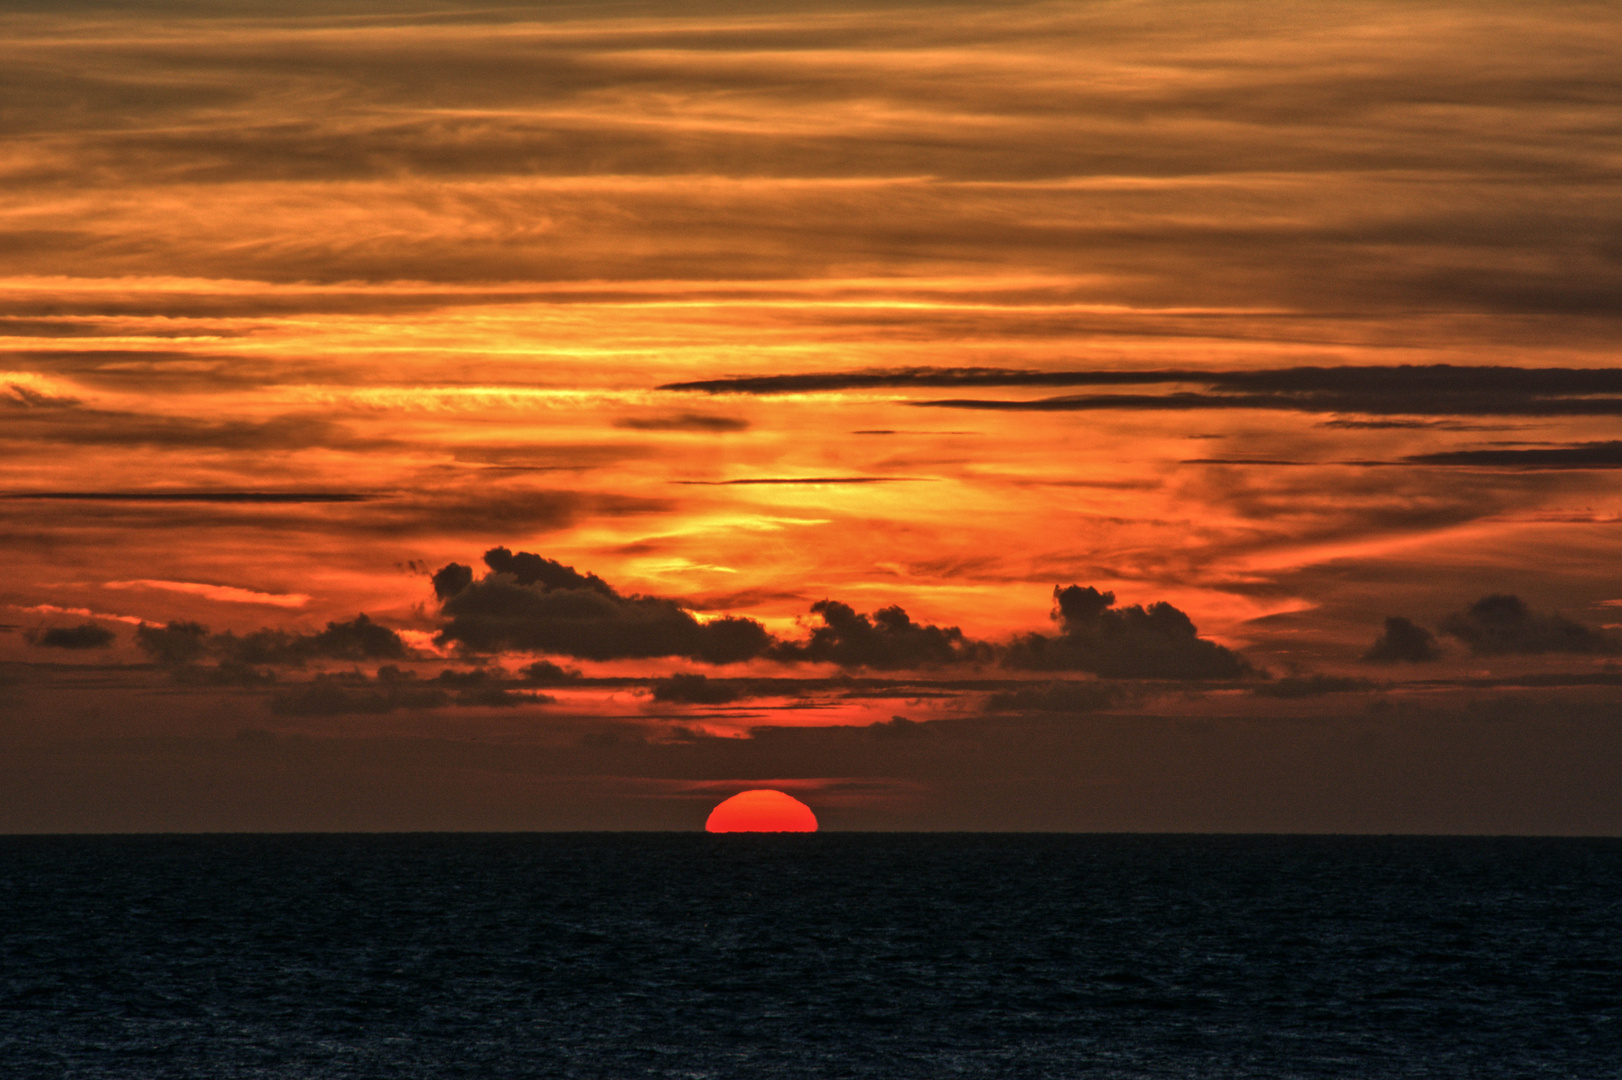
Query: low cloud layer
x: 1403, y: 641
x: 1503, y: 624
x: 83, y: 636
x: 1438, y: 389
x: 527, y: 602
x: 1154, y: 642
x: 886, y: 640
x: 180, y: 644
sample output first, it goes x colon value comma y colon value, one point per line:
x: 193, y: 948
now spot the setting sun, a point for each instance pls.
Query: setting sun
x: 762, y: 810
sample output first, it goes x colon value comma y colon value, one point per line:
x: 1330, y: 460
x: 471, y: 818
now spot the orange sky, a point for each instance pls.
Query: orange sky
x: 743, y: 308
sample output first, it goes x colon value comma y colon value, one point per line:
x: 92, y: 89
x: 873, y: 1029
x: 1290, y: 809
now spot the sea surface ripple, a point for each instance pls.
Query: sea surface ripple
x: 828, y: 955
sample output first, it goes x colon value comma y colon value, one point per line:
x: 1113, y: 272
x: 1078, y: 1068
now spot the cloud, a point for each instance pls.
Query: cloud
x: 220, y: 593
x: 1438, y: 389
x: 340, y: 695
x: 359, y: 639
x: 887, y: 639
x: 1593, y: 455
x: 685, y: 421
x: 17, y: 395
x: 227, y: 672
x: 800, y: 480
x: 477, y: 687
x: 1305, y: 686
x: 83, y: 636
x: 546, y: 673
x: 688, y: 688
x: 529, y: 602
x: 93, y: 427
x: 451, y: 579
x: 176, y: 643
x: 1070, y: 695
x: 1403, y: 641
x: 272, y: 497
x: 1502, y: 624
x: 1157, y: 642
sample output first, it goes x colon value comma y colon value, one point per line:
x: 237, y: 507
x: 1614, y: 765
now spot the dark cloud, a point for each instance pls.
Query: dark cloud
x: 359, y: 639
x: 1069, y: 695
x: 84, y: 636
x: 1303, y: 686
x: 928, y: 377
x: 546, y: 673
x: 91, y: 427
x: 529, y: 569
x: 688, y: 688
x: 339, y: 695
x: 1594, y: 455
x: 897, y: 727
x: 18, y: 396
x: 191, y: 496
x: 1157, y: 642
x: 227, y: 672
x: 1403, y: 641
x: 480, y: 687
x: 356, y: 640
x: 686, y: 421
x: 1503, y: 624
x: 1397, y: 390
x: 801, y: 480
x: 1457, y: 405
x: 533, y: 603
x: 174, y: 644
x: 451, y: 579
x: 414, y: 509
x: 887, y: 639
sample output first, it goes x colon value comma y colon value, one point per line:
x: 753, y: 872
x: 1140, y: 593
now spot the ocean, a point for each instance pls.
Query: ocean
x: 826, y: 955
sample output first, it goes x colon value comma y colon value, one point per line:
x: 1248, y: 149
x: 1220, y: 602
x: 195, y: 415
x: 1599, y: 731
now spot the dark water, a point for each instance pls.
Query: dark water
x: 809, y: 956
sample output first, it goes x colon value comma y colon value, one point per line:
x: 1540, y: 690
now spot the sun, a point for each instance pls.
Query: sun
x: 761, y: 810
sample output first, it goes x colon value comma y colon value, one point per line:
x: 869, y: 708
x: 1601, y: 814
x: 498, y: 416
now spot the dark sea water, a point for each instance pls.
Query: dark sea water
x: 638, y: 955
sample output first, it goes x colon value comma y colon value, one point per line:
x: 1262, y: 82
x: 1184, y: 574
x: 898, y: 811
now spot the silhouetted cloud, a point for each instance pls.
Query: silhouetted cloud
x: 1066, y: 696
x: 799, y: 480
x: 1304, y: 686
x: 451, y: 579
x: 546, y: 673
x: 1438, y: 389
x: 225, y: 673
x: 338, y: 695
x: 530, y: 569
x: 20, y: 396
x: 1157, y: 642
x: 686, y: 421
x: 176, y: 643
x: 887, y: 639
x: 84, y: 636
x: 359, y: 639
x: 480, y: 687
x: 190, y: 496
x: 688, y: 688
x: 1403, y: 641
x: 533, y: 603
x: 1503, y: 624
x: 91, y: 427
x: 1594, y: 455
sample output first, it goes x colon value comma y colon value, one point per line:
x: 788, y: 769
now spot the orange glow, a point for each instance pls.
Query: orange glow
x: 761, y: 810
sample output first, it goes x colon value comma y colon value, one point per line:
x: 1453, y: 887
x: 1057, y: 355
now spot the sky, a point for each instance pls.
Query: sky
x: 1133, y: 415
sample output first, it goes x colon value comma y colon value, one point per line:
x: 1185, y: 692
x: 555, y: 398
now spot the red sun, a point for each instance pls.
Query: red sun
x: 762, y: 810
